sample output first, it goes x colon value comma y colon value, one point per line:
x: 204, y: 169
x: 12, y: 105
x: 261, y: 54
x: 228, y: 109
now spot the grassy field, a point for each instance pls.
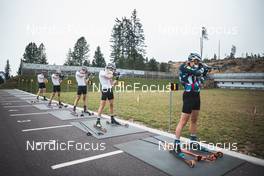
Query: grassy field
x: 226, y: 115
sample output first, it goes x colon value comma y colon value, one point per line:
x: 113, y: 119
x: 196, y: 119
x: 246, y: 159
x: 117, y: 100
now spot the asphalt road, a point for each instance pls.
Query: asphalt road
x: 18, y: 131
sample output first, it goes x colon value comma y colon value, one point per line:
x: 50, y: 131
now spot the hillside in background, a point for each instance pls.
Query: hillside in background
x: 236, y: 65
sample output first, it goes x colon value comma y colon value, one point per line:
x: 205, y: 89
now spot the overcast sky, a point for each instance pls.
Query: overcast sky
x: 172, y: 27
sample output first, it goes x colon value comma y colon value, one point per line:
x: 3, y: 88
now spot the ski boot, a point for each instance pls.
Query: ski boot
x: 85, y: 111
x: 177, y: 149
x: 45, y: 99
x: 113, y: 121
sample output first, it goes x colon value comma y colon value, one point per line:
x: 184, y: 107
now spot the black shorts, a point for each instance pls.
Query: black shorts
x: 56, y: 88
x: 42, y: 86
x: 191, y: 101
x: 107, y: 94
x: 82, y: 90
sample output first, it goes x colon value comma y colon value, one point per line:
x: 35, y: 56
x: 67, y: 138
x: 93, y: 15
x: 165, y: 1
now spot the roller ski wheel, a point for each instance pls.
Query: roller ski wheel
x: 114, y: 124
x: 190, y: 163
x: 218, y: 154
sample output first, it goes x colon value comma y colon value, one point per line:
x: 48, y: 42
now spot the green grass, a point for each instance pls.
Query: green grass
x: 225, y: 117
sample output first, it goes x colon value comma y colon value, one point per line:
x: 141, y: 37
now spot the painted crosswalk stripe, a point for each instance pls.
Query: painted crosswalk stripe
x: 28, y: 114
x: 45, y: 128
x: 57, y: 166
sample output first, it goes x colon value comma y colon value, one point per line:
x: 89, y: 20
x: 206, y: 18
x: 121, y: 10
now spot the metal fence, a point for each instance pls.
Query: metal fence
x: 29, y: 69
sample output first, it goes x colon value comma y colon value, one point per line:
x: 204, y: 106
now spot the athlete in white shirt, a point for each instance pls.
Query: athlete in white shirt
x: 56, y: 81
x: 41, y: 84
x: 106, y: 80
x: 81, y: 79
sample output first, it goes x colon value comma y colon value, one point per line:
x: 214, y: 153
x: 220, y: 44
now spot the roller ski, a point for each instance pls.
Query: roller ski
x: 199, y: 157
x: 89, y: 129
x: 176, y: 150
x: 98, y: 126
x: 34, y: 101
x: 113, y: 122
x: 194, y: 145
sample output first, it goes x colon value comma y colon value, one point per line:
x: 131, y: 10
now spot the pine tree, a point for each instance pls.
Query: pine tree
x: 19, y: 72
x: 80, y: 51
x: 69, y: 60
x: 7, y: 70
x: 233, y: 52
x: 128, y: 47
x: 42, y: 57
x: 153, y: 65
x: 99, y: 60
x: 86, y: 63
x: 31, y: 53
x: 164, y: 67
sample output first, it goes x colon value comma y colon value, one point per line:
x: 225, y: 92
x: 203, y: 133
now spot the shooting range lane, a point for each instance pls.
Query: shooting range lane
x: 112, y: 131
x: 165, y: 161
x: 16, y: 160
x: 65, y: 114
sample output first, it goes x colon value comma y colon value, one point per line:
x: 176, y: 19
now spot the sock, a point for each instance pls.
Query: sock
x: 98, y: 120
x: 177, y: 145
x: 74, y: 108
x: 84, y: 108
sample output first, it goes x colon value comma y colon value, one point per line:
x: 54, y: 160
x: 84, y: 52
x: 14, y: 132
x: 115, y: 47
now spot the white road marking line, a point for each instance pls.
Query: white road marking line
x: 18, y: 106
x: 45, y: 128
x: 23, y: 121
x: 12, y: 101
x: 26, y: 114
x: 57, y: 166
x: 5, y: 104
x: 12, y: 110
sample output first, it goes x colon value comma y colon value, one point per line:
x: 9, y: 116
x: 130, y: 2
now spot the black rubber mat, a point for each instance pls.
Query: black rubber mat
x: 154, y: 155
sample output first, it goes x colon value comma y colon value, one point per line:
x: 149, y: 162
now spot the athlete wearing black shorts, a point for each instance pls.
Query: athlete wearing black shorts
x: 81, y: 79
x: 41, y: 86
x: 106, y: 80
x: 191, y: 76
x: 56, y: 81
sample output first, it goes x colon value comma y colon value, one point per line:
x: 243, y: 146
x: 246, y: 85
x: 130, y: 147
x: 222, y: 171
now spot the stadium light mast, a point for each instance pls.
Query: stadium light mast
x: 219, y: 49
x: 203, y: 36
